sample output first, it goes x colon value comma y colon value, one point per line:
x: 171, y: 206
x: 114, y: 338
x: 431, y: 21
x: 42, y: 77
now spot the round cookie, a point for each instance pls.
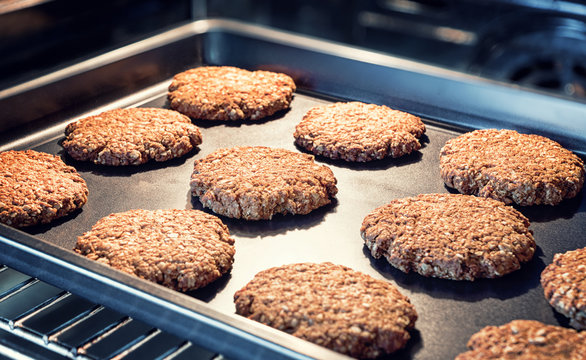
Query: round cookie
x: 227, y: 93
x: 181, y: 249
x: 36, y: 188
x: 511, y: 167
x: 257, y: 182
x: 525, y: 340
x: 564, y: 285
x: 356, y: 131
x: 450, y: 236
x: 330, y: 305
x: 131, y: 136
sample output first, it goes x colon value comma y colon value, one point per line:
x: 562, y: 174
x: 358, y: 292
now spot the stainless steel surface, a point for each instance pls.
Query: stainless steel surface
x: 449, y: 102
x: 42, y: 36
x: 504, y: 40
x: 41, y: 321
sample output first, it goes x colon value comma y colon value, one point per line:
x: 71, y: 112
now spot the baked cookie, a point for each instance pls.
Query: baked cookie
x: 36, y: 188
x: 181, y: 249
x: 330, y: 305
x: 257, y: 182
x: 131, y: 136
x: 564, y: 285
x: 227, y: 93
x: 511, y: 167
x: 526, y: 340
x: 449, y: 236
x: 356, y: 131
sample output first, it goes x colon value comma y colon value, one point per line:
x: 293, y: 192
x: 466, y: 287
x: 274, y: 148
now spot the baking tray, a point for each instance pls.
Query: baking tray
x: 137, y: 75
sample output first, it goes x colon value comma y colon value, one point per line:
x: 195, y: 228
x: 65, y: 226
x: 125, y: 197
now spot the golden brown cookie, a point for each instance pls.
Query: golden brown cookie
x: 257, y: 182
x: 564, y: 285
x: 356, y: 131
x: 227, y: 93
x: 36, y: 188
x: 526, y: 340
x: 181, y: 249
x: 330, y: 305
x: 131, y: 136
x: 511, y: 167
x: 450, y: 236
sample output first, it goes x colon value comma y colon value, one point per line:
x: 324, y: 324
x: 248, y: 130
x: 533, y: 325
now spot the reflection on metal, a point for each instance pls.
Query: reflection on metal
x: 405, y: 6
x: 547, y: 54
x: 442, y: 33
x: 7, y: 6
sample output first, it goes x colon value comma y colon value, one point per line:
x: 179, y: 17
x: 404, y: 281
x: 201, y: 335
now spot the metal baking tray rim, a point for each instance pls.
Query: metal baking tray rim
x: 471, y: 101
x: 228, y: 334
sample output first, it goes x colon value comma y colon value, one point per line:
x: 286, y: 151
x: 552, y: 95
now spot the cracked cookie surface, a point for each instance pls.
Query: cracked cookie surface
x: 564, y: 285
x: 131, y: 136
x: 257, y: 182
x: 36, y: 188
x: 450, y: 236
x: 355, y: 131
x: 526, y: 340
x: 330, y: 305
x: 225, y: 93
x: 511, y: 167
x: 180, y: 249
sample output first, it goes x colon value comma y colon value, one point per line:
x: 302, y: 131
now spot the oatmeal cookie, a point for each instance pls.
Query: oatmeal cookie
x: 226, y: 93
x: 564, y: 285
x: 526, y: 340
x: 450, y: 236
x: 356, y: 131
x: 330, y: 305
x: 131, y: 136
x: 181, y: 249
x: 511, y: 167
x: 257, y: 182
x: 36, y: 188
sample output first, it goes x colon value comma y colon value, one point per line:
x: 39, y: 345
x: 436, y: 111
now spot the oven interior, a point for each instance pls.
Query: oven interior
x: 450, y: 67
